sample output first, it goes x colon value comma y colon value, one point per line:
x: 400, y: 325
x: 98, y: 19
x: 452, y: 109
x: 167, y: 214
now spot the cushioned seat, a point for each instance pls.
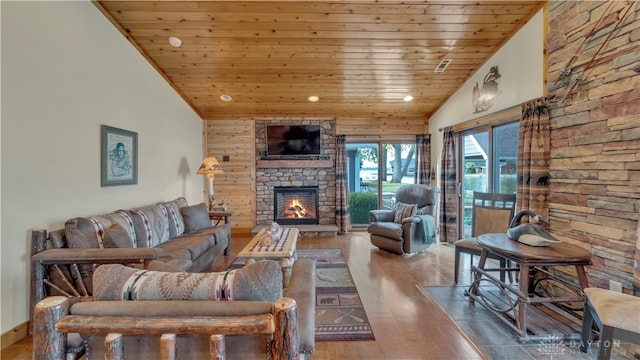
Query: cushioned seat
x: 616, y: 315
x: 491, y: 214
x: 410, y: 226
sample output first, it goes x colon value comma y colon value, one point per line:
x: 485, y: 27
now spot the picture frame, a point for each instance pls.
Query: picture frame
x: 119, y: 157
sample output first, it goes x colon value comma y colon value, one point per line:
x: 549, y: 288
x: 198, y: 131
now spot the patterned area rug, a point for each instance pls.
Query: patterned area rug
x: 340, y: 315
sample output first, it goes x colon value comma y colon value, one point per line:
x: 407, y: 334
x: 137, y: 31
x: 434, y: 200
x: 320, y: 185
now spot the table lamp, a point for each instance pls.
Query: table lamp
x: 210, y: 166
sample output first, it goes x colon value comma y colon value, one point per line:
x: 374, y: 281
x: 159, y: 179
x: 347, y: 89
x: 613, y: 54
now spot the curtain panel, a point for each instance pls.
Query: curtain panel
x: 533, y: 157
x: 448, y: 187
x: 422, y: 174
x: 343, y: 213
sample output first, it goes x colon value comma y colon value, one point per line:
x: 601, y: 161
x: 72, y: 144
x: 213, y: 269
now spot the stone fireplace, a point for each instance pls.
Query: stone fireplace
x: 294, y: 205
x: 317, y: 173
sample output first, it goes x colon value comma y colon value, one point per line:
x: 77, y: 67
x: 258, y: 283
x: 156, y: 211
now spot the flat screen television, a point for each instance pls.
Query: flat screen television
x: 293, y: 140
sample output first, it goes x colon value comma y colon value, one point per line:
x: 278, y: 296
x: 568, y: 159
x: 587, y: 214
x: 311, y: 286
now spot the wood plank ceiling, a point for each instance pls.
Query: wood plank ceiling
x: 361, y: 58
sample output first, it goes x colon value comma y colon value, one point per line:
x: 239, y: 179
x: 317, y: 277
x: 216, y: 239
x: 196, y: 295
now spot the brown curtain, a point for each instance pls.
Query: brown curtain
x: 533, y: 157
x: 448, y: 189
x: 343, y: 214
x: 422, y: 174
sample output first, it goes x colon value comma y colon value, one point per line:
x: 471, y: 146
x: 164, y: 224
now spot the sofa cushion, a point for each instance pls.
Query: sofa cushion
x: 259, y: 281
x: 151, y: 224
x: 196, y: 243
x: 176, y: 223
x: 117, y: 237
x: 195, y: 217
x: 88, y: 232
x: 403, y: 211
x: 174, y: 265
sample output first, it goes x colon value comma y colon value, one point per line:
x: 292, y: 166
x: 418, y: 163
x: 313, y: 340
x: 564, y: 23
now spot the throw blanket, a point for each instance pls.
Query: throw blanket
x: 427, y: 228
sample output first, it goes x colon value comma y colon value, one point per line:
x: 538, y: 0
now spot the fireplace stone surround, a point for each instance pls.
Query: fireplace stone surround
x: 318, y: 173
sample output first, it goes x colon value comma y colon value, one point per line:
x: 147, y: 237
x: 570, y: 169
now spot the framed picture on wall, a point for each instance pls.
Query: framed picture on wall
x: 119, y: 157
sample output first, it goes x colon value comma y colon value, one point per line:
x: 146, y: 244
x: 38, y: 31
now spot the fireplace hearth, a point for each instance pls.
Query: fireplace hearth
x: 293, y: 205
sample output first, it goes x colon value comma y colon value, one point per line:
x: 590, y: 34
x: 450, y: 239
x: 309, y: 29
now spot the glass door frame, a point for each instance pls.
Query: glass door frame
x: 382, y: 156
x: 492, y: 121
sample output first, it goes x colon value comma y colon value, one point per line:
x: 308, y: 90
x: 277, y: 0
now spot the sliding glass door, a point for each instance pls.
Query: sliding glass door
x: 376, y: 170
x: 489, y: 156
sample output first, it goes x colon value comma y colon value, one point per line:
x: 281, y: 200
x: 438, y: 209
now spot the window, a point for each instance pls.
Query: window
x: 489, y: 158
x: 374, y: 176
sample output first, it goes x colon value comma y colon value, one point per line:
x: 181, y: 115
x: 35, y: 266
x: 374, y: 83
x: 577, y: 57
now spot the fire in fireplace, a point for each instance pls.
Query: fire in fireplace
x: 295, y: 205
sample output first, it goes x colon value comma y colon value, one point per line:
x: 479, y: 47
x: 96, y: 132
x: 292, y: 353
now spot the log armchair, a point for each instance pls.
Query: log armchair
x: 404, y: 229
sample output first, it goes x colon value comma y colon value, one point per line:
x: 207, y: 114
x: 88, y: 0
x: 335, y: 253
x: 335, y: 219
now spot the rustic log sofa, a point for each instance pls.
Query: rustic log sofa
x: 167, y: 236
x: 185, y: 315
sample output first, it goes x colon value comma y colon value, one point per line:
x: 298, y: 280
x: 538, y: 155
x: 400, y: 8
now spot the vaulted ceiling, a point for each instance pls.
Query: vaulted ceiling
x: 359, y: 57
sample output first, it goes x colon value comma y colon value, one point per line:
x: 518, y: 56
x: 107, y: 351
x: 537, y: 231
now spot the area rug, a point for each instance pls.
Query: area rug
x: 340, y: 315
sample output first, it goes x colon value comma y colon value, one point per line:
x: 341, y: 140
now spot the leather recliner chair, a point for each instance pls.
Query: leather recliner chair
x: 405, y: 236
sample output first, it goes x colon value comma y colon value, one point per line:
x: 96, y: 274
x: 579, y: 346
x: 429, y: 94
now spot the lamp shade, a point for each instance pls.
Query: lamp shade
x: 210, y: 165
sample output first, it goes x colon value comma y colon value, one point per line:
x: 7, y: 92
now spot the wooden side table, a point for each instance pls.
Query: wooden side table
x: 529, y: 259
x: 223, y: 215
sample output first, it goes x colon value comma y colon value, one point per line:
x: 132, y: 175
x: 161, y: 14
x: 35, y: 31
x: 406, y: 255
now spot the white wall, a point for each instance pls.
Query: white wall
x: 66, y: 70
x: 521, y: 66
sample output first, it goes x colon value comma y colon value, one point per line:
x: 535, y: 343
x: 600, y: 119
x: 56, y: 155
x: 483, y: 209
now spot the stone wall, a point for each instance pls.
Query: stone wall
x: 595, y: 132
x: 309, y: 172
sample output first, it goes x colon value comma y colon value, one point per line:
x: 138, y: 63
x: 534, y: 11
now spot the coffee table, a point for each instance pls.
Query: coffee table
x: 283, y: 248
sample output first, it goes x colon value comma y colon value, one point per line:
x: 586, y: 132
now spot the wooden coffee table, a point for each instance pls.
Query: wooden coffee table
x: 283, y: 249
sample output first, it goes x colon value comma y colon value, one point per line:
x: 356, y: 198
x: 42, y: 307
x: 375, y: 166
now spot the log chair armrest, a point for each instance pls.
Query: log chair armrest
x: 302, y: 288
x: 97, y: 256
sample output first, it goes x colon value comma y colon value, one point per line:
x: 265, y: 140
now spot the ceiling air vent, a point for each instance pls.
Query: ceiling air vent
x: 443, y: 65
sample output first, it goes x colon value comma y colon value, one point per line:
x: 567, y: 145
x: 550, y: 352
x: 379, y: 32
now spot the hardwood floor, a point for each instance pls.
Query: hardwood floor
x: 406, y: 324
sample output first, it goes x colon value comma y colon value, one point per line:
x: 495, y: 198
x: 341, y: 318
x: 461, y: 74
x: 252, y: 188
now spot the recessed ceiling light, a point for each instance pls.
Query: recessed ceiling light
x: 408, y: 98
x: 174, y: 41
x: 225, y: 98
x: 313, y: 98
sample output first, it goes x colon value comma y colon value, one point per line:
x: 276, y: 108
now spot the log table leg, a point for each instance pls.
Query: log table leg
x: 217, y: 347
x: 168, y: 347
x: 114, y: 347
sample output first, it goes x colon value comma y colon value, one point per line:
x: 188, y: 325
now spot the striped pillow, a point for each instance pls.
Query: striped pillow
x: 403, y: 211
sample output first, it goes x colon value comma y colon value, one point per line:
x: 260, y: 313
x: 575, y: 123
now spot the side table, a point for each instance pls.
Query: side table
x: 223, y: 215
x: 528, y: 259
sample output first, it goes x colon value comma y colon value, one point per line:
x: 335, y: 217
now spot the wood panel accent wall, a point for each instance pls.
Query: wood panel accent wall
x: 236, y: 187
x: 391, y: 126
x: 595, y: 132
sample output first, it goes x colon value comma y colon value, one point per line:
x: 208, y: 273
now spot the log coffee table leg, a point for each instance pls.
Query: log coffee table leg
x: 286, y: 264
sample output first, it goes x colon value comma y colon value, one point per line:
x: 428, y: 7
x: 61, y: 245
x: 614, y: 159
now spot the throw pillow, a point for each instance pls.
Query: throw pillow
x: 425, y: 210
x: 259, y: 281
x: 404, y: 211
x: 195, y: 217
x: 116, y: 237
